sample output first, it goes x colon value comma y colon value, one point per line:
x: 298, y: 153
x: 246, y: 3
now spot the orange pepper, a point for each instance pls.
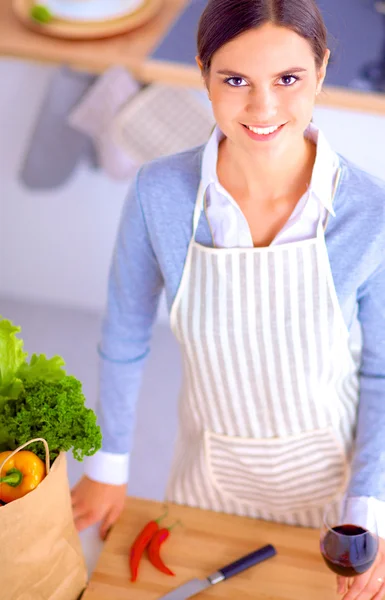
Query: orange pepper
x: 20, y: 474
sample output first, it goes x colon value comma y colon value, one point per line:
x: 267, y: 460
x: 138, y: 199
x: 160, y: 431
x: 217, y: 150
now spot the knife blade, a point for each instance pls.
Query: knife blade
x: 195, y: 586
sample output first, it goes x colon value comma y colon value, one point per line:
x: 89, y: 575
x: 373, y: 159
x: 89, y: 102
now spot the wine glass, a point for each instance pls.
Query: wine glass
x: 349, y: 541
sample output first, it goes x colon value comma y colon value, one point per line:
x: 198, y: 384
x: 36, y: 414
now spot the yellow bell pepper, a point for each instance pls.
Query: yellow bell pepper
x: 20, y: 474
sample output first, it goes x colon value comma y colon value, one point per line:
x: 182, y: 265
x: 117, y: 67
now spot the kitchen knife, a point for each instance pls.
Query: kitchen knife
x: 195, y: 586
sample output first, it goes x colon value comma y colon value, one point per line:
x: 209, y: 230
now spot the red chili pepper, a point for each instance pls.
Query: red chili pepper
x: 141, y: 543
x: 157, y: 541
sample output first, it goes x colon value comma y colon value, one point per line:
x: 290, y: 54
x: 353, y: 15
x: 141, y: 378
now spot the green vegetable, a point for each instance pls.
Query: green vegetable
x: 38, y: 399
x: 41, y: 13
x: 14, y: 368
x: 40, y: 367
x: 56, y: 412
x: 12, y: 358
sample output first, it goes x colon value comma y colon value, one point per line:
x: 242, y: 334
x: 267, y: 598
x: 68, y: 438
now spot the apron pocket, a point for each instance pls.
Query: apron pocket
x: 278, y: 475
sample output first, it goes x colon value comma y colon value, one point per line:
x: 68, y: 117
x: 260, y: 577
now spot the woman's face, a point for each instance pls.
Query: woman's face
x: 266, y: 79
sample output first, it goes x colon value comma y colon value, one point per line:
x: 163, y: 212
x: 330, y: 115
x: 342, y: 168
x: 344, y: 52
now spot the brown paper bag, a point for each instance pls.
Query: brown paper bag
x: 40, y: 553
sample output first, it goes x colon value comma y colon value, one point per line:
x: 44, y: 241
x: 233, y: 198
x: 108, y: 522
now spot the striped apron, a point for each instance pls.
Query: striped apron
x: 268, y: 404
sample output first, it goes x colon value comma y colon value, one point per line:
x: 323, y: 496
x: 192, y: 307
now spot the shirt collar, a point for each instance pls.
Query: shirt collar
x: 210, y: 158
x: 324, y: 170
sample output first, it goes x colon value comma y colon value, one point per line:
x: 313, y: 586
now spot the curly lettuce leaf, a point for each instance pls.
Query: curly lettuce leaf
x: 38, y: 399
x: 55, y: 411
x: 41, y: 367
x: 12, y: 357
x: 15, y: 370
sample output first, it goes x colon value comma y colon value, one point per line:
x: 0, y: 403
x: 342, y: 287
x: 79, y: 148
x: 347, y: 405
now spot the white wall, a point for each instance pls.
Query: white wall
x: 55, y: 246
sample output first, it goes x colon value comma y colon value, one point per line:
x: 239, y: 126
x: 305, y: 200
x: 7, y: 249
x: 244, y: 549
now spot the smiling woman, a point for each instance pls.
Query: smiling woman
x: 268, y: 244
x: 263, y: 67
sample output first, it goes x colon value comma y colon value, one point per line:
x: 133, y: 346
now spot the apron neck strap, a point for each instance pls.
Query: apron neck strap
x: 198, y: 208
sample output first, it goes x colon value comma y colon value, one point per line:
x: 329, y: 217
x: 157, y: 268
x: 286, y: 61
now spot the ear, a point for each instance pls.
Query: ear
x: 199, y: 63
x: 322, y: 71
x: 204, y: 76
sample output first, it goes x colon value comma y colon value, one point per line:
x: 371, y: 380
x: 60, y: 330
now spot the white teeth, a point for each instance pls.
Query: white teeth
x: 263, y: 130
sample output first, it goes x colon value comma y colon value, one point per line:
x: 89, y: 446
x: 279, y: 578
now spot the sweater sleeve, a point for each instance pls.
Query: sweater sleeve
x: 368, y: 466
x: 134, y: 287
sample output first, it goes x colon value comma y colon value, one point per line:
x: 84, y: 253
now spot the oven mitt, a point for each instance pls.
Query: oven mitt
x: 55, y: 148
x: 163, y: 120
x: 95, y: 112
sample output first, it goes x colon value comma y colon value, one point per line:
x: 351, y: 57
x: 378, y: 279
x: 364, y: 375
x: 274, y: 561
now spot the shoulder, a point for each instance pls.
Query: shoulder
x: 356, y: 236
x: 363, y: 190
x: 165, y: 192
x: 175, y: 172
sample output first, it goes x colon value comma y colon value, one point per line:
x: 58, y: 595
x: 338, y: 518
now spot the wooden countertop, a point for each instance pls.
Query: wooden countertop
x: 133, y: 51
x: 207, y: 541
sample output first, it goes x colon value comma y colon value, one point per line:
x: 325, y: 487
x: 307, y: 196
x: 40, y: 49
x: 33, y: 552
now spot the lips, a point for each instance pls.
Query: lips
x: 269, y: 133
x: 262, y: 130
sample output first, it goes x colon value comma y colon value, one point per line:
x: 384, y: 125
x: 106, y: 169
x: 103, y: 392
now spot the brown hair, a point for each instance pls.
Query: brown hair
x: 224, y: 20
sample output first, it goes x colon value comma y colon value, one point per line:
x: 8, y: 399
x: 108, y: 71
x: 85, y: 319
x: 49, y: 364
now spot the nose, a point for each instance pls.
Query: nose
x: 261, y: 105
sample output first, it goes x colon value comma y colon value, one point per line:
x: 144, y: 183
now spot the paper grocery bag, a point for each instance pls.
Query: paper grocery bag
x: 40, y: 553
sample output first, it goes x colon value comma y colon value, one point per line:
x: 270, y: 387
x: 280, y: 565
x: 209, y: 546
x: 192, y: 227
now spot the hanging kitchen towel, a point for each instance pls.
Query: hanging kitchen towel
x: 40, y: 552
x: 95, y: 112
x: 56, y: 148
x: 162, y: 120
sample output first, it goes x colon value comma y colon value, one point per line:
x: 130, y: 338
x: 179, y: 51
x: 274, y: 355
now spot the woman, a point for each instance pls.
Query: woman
x: 268, y: 244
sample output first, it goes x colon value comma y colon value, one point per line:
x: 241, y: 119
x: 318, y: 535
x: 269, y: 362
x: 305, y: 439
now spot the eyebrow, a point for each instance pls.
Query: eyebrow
x: 286, y: 72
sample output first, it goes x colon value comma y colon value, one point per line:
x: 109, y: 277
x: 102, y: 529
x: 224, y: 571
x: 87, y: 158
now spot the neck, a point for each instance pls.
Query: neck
x: 259, y: 175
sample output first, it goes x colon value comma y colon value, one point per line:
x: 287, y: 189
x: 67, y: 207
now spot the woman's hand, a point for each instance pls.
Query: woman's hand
x: 93, y: 502
x: 370, y: 585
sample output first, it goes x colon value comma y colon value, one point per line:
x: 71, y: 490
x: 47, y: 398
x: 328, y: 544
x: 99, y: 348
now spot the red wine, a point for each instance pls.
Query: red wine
x: 349, y: 550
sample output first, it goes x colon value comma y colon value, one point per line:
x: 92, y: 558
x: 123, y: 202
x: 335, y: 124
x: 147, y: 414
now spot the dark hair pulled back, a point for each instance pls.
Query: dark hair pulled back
x: 224, y: 20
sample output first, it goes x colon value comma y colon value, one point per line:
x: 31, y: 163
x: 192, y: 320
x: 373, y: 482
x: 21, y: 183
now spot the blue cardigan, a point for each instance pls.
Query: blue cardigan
x: 150, y: 253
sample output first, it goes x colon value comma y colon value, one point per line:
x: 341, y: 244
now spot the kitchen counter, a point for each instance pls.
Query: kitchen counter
x: 152, y: 52
x: 205, y: 542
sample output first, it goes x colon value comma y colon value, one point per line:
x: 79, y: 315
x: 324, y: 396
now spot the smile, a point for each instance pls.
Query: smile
x: 263, y: 134
x: 263, y: 130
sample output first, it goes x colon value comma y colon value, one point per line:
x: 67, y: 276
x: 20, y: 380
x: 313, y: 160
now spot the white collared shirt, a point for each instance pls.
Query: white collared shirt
x: 228, y: 224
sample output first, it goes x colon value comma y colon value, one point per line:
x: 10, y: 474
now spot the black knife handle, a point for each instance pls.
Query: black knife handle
x: 248, y: 561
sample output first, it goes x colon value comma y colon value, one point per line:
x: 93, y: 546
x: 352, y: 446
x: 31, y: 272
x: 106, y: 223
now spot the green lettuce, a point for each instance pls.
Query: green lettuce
x: 38, y: 399
x: 12, y: 358
x: 40, y: 367
x: 15, y: 370
x: 55, y: 411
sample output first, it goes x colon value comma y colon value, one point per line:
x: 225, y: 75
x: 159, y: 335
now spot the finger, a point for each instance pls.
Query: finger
x: 74, y: 496
x: 381, y: 593
x: 74, y: 499
x: 109, y: 520
x: 349, y: 583
x: 78, y: 510
x: 356, y: 590
x: 341, y: 585
x: 375, y: 584
x: 83, y: 522
x: 365, y: 587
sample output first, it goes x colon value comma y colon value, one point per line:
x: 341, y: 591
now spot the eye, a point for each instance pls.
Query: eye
x: 288, y: 80
x: 235, y: 81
